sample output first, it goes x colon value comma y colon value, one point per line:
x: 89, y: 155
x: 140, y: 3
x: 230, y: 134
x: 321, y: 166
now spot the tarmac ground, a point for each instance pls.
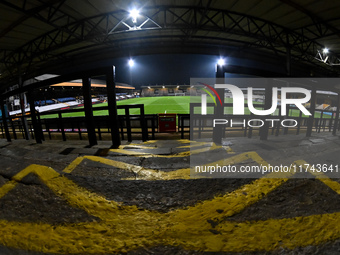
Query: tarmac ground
x: 66, y: 198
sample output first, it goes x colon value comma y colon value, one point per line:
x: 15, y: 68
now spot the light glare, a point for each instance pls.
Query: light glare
x: 134, y: 13
x: 325, y: 50
x: 221, y: 62
x: 131, y: 63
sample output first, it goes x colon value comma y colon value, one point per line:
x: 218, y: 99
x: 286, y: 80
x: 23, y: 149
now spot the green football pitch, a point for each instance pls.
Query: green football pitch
x: 165, y: 104
x: 152, y: 105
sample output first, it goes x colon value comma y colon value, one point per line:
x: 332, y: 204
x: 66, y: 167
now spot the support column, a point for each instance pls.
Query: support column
x: 35, y: 123
x: 312, y: 111
x: 267, y: 104
x: 218, y: 131
x: 23, y: 113
x: 4, y: 120
x: 335, y: 127
x: 288, y: 72
x: 288, y: 62
x: 112, y: 105
x: 89, y: 112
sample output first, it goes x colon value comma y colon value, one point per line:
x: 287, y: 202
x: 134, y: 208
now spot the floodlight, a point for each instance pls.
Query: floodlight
x: 221, y: 62
x: 134, y: 13
x: 325, y: 50
x: 131, y: 63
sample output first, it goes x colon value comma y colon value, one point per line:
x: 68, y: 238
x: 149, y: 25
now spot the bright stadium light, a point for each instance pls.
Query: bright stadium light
x: 325, y: 50
x: 131, y: 63
x: 221, y: 62
x: 134, y: 14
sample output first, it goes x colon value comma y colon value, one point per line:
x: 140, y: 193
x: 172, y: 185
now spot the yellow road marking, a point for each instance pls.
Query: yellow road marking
x: 107, y: 237
x: 150, y: 142
x: 192, y: 145
x: 136, y: 146
x: 200, y: 144
x: 153, y: 174
x: 8, y: 186
x: 73, y: 165
x: 321, y: 177
x: 177, y: 155
x: 186, y: 141
x: 125, y: 228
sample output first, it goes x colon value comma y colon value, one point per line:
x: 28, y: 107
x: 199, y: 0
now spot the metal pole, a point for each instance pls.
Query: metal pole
x: 112, y: 105
x: 218, y: 133
x: 4, y: 121
x: 89, y: 112
x: 267, y: 104
x: 336, y: 120
x: 288, y: 62
x: 23, y: 112
x: 310, y: 121
x: 37, y: 134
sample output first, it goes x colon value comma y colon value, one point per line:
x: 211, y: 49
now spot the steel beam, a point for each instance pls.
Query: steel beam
x: 100, y: 30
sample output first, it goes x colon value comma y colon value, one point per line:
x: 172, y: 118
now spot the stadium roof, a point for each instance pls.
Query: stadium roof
x: 56, y: 36
x: 94, y: 83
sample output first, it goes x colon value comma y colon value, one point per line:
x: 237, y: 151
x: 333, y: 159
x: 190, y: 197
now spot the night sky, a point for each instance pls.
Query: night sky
x: 164, y: 69
x: 169, y: 69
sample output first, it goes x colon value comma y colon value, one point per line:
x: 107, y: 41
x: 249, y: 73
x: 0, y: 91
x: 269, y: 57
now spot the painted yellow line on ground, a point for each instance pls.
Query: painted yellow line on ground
x: 141, y: 172
x: 177, y: 155
x: 259, y: 236
x: 7, y: 187
x: 73, y: 165
x: 192, y: 145
x: 132, y: 153
x: 146, y: 173
x: 125, y: 228
x: 109, y: 237
x: 334, y: 185
x: 76, y: 196
x: 150, y: 142
x: 236, y: 201
x: 154, y: 174
x: 137, y: 146
x: 186, y: 141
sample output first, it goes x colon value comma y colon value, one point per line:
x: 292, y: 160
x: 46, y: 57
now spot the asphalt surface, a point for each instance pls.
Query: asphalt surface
x: 66, y: 186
